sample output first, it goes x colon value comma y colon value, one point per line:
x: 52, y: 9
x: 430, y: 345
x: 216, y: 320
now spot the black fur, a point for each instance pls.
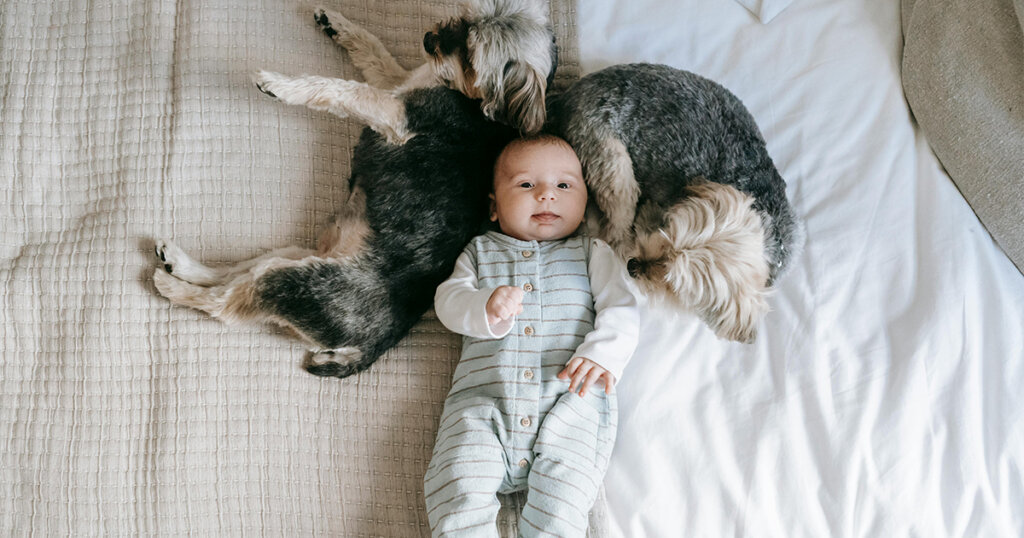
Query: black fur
x: 325, y: 24
x: 424, y: 201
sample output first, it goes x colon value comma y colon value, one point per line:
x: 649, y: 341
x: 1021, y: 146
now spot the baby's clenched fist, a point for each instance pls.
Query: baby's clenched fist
x: 505, y: 302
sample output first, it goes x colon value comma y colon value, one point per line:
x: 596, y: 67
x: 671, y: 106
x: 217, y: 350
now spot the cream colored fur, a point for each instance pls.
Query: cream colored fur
x: 379, y: 109
x: 708, y: 252
x: 367, y: 53
x: 610, y: 177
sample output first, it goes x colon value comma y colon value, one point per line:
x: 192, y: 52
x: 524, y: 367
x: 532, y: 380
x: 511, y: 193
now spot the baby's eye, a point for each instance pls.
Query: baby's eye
x: 526, y: 185
x: 563, y: 185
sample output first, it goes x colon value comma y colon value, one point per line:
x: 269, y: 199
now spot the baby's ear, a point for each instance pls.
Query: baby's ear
x: 494, y: 208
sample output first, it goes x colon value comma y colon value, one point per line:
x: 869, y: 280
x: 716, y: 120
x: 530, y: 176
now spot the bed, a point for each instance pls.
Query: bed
x: 882, y: 397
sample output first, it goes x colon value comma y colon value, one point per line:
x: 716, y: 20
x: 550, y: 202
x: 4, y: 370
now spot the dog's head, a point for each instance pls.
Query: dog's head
x: 502, y: 52
x: 653, y: 251
x: 706, y: 253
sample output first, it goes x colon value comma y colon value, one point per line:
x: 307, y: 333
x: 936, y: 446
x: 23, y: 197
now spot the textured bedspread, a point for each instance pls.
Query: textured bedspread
x: 125, y: 121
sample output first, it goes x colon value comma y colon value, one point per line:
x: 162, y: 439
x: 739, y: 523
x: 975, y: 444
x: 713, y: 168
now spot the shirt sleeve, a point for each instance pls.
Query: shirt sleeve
x: 462, y: 307
x: 617, y: 302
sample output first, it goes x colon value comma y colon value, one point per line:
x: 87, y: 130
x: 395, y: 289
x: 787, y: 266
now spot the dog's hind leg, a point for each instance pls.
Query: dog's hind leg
x: 368, y: 54
x: 381, y: 110
x: 236, y: 299
x: 186, y: 268
x: 347, y: 234
x: 231, y: 303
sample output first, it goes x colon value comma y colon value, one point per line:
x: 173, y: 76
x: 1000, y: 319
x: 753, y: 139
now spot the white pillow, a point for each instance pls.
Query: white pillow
x: 766, y: 10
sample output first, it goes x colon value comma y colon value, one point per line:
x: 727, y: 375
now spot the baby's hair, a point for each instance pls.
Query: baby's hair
x: 540, y: 138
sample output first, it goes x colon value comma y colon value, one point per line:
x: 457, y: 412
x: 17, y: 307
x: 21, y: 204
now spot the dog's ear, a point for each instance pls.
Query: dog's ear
x: 519, y: 98
x: 554, y: 60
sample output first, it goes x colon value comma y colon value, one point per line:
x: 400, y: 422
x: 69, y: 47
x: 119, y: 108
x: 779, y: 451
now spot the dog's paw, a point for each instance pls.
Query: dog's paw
x: 264, y: 80
x: 168, y: 253
x: 166, y: 283
x: 334, y: 25
x: 181, y: 266
x: 323, y: 19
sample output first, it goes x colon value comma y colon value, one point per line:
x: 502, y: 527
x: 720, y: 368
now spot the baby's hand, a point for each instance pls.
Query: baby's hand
x: 584, y: 372
x: 505, y: 302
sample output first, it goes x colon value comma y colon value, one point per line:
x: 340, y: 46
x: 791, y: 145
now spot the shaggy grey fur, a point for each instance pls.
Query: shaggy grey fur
x: 424, y: 201
x: 678, y: 128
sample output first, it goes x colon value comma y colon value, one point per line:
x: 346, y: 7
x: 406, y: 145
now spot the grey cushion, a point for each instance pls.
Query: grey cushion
x: 963, y: 73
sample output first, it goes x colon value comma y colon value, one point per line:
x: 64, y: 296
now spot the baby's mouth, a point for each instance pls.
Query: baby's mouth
x: 545, y: 218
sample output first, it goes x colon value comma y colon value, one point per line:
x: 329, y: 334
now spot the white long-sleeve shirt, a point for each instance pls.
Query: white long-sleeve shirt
x: 460, y: 304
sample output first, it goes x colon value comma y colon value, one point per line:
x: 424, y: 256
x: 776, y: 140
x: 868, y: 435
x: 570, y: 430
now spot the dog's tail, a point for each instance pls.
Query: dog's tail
x: 711, y: 249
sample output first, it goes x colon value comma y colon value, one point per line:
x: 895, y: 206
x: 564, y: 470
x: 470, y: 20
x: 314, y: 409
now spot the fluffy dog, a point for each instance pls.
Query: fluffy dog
x: 686, y: 190
x: 501, y: 52
x: 418, y: 191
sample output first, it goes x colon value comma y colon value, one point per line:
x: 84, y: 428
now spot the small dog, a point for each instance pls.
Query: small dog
x: 418, y: 191
x: 501, y: 52
x: 686, y: 190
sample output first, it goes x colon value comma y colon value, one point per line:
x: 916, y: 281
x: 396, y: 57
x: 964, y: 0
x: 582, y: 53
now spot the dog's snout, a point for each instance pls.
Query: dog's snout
x: 430, y: 40
x: 633, y: 267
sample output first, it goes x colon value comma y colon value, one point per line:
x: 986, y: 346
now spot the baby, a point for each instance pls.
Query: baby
x: 545, y: 312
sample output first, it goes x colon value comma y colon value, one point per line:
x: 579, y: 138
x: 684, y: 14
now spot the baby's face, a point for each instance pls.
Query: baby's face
x: 539, y: 194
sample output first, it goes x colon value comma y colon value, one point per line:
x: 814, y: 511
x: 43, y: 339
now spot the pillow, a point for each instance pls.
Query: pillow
x: 966, y: 89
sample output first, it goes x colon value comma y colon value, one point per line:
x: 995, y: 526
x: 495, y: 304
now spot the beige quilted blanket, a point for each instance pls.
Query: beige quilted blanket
x: 126, y: 120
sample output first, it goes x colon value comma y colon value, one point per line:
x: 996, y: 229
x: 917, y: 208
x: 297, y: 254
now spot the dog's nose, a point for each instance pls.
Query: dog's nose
x: 633, y: 267
x: 430, y: 42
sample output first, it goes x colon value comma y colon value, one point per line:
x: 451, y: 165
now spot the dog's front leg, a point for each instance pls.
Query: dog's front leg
x: 379, y: 109
x: 368, y: 54
x: 609, y: 172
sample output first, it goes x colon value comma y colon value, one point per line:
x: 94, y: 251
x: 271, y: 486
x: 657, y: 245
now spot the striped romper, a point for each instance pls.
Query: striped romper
x: 509, y: 423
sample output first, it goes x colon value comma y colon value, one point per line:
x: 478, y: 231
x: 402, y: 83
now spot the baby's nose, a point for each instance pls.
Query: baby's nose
x: 546, y: 193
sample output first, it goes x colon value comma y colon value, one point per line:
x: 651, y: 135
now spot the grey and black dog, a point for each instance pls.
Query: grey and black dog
x: 686, y: 189
x: 421, y: 173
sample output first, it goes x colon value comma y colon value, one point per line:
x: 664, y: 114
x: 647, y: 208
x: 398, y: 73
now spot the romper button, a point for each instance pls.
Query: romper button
x: 528, y: 331
x: 523, y: 463
x: 527, y: 253
x: 528, y: 374
x: 527, y: 287
x: 525, y: 422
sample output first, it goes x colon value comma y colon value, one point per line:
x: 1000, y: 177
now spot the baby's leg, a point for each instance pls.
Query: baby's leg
x: 461, y: 494
x: 571, y: 456
x: 466, y: 471
x: 560, y: 496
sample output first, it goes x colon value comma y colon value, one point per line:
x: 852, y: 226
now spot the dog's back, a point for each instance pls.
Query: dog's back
x: 687, y: 190
x: 425, y: 200
x: 679, y: 128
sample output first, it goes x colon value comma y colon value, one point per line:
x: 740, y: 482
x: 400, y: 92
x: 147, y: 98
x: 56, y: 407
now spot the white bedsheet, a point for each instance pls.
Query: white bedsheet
x: 883, y: 396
